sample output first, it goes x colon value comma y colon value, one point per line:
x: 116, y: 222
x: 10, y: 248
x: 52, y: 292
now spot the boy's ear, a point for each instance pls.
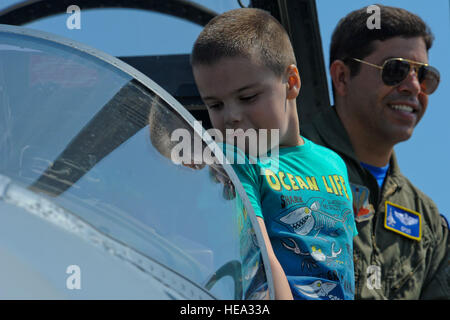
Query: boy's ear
x: 340, y: 74
x: 294, y: 82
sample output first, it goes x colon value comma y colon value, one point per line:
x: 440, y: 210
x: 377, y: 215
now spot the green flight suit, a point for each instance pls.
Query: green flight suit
x: 388, y: 265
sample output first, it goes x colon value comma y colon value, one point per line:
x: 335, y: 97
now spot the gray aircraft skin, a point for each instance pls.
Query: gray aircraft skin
x: 91, y: 206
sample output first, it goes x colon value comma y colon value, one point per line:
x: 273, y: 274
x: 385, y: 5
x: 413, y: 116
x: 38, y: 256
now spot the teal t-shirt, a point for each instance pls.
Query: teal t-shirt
x: 306, y: 201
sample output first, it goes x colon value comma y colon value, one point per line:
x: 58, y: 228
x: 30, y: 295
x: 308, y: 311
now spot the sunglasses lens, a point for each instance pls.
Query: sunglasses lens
x: 394, y: 72
x: 429, y: 78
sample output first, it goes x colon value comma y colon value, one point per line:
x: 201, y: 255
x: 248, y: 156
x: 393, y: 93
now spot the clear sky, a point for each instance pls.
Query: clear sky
x: 423, y: 159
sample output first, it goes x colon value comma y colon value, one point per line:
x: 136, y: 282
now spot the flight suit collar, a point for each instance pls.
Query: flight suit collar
x: 394, y: 179
x: 334, y: 134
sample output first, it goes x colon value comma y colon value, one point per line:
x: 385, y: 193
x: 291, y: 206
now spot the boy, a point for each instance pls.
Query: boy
x: 244, y: 68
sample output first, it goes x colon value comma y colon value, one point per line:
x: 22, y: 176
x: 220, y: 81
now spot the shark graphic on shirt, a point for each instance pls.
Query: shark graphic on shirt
x: 316, y: 289
x: 302, y: 220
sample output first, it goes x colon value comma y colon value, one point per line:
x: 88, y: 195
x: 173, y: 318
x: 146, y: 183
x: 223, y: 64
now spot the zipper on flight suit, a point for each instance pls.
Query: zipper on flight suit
x: 383, y: 195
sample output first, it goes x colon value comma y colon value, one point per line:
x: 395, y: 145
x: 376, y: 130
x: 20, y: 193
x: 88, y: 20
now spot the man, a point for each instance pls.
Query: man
x: 381, y: 82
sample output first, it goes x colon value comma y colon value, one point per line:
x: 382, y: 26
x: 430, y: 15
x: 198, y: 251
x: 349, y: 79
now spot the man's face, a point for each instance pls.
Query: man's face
x: 242, y: 94
x: 389, y: 113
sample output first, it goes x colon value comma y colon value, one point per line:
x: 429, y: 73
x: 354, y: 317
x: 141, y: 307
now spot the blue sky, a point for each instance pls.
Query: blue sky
x: 423, y: 159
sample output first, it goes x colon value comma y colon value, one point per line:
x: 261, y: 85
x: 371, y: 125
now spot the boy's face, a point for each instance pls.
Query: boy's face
x: 242, y: 94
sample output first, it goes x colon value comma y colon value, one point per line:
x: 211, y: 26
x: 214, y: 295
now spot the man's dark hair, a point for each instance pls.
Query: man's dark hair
x: 353, y: 39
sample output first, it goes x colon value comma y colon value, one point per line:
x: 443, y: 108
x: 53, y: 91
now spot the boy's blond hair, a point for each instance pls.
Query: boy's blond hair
x: 246, y: 32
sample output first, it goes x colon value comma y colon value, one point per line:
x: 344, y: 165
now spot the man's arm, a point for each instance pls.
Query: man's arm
x: 439, y: 285
x: 281, y: 284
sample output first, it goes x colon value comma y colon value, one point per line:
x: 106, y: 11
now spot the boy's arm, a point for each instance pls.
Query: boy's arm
x: 249, y: 178
x: 280, y: 282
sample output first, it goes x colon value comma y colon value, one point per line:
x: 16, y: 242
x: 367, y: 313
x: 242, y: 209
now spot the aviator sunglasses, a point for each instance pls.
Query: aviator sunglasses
x: 395, y: 70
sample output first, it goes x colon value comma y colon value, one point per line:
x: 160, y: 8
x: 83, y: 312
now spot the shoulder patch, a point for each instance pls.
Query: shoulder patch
x: 362, y: 209
x: 403, y: 221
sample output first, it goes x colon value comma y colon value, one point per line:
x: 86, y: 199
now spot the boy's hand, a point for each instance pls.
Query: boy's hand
x: 194, y: 166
